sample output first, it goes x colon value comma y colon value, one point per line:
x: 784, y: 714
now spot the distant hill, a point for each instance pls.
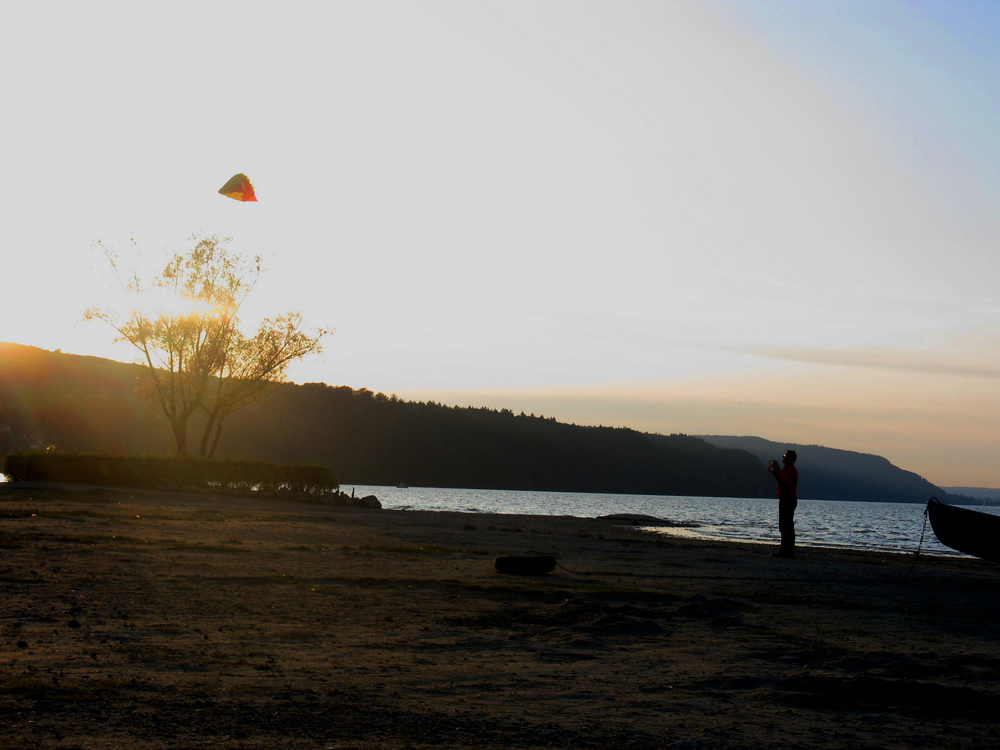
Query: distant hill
x: 370, y: 438
x: 833, y: 474
x: 87, y: 404
x: 75, y: 403
x: 976, y: 495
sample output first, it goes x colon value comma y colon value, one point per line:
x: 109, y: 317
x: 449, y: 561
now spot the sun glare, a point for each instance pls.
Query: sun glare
x: 160, y: 303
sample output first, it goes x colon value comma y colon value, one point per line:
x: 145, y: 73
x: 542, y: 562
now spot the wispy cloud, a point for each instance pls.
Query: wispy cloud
x: 880, y: 359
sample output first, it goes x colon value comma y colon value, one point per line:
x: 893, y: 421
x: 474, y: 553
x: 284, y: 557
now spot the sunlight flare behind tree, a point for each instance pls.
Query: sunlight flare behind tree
x: 185, y: 324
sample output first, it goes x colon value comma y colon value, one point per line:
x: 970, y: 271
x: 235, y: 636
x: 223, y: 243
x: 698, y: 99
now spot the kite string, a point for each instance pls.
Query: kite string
x: 920, y: 544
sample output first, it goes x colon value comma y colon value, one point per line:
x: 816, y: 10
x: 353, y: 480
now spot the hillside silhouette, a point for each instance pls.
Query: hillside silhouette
x: 88, y: 404
x: 370, y: 438
x: 834, y: 474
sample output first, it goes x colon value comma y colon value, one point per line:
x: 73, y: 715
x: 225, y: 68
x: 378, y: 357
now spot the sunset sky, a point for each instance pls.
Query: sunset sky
x: 749, y: 217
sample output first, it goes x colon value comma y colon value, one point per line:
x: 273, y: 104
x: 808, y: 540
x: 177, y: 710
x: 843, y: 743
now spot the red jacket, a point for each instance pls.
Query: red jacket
x: 788, y: 481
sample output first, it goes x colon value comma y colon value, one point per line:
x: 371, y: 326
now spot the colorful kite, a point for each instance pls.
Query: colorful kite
x: 239, y: 188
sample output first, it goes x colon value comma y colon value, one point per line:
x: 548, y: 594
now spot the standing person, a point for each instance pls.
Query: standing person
x: 788, y: 482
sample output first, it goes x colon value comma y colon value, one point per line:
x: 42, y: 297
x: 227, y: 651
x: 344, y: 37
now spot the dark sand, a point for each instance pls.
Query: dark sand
x: 165, y: 620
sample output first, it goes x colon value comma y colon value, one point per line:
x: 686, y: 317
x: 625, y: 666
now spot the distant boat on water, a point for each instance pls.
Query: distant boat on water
x: 968, y: 531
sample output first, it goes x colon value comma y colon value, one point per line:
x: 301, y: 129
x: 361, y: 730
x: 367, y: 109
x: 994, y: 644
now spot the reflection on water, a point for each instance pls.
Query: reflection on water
x: 891, y: 527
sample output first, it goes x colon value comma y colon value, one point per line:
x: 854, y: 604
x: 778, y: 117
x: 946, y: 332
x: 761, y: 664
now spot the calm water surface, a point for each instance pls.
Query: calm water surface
x: 889, y: 527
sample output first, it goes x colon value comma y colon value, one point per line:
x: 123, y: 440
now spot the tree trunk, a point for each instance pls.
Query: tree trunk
x: 215, y: 440
x: 179, y: 426
x: 203, y: 450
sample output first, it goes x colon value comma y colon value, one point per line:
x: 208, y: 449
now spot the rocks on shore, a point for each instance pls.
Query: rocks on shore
x: 342, y: 498
x: 338, y: 497
x: 640, y: 519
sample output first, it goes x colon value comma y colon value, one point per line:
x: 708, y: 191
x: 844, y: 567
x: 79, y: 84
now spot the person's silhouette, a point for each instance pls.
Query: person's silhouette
x: 788, y: 482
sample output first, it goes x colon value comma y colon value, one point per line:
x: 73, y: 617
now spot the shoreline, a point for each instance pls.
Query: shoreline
x: 627, y: 520
x: 821, y: 523
x: 207, y: 621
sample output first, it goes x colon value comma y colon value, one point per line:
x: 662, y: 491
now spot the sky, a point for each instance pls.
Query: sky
x: 742, y: 217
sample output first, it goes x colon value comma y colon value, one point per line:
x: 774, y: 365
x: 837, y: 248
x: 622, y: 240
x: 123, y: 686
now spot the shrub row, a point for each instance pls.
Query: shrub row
x: 152, y: 472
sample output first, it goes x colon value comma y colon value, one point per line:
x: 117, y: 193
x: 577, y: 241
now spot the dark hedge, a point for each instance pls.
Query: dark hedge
x: 150, y: 472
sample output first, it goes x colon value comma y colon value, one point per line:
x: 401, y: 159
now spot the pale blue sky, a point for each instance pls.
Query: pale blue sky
x: 770, y: 218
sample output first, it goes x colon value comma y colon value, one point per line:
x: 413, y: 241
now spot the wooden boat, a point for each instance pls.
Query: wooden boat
x: 524, y: 565
x: 965, y: 530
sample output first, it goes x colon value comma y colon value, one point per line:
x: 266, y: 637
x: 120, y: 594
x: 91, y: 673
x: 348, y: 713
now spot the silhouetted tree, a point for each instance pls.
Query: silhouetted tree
x: 251, y: 369
x: 195, y: 356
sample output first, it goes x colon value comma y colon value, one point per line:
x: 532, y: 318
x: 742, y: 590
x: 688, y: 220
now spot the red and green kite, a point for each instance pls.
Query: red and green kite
x: 239, y: 188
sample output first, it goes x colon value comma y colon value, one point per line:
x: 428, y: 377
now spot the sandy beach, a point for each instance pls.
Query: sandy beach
x: 155, y: 620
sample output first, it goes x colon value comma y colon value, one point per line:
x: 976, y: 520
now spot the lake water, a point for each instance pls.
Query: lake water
x: 887, y: 527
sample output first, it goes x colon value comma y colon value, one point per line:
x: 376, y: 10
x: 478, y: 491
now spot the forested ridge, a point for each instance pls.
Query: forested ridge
x: 370, y: 438
x: 87, y: 404
x: 834, y: 473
